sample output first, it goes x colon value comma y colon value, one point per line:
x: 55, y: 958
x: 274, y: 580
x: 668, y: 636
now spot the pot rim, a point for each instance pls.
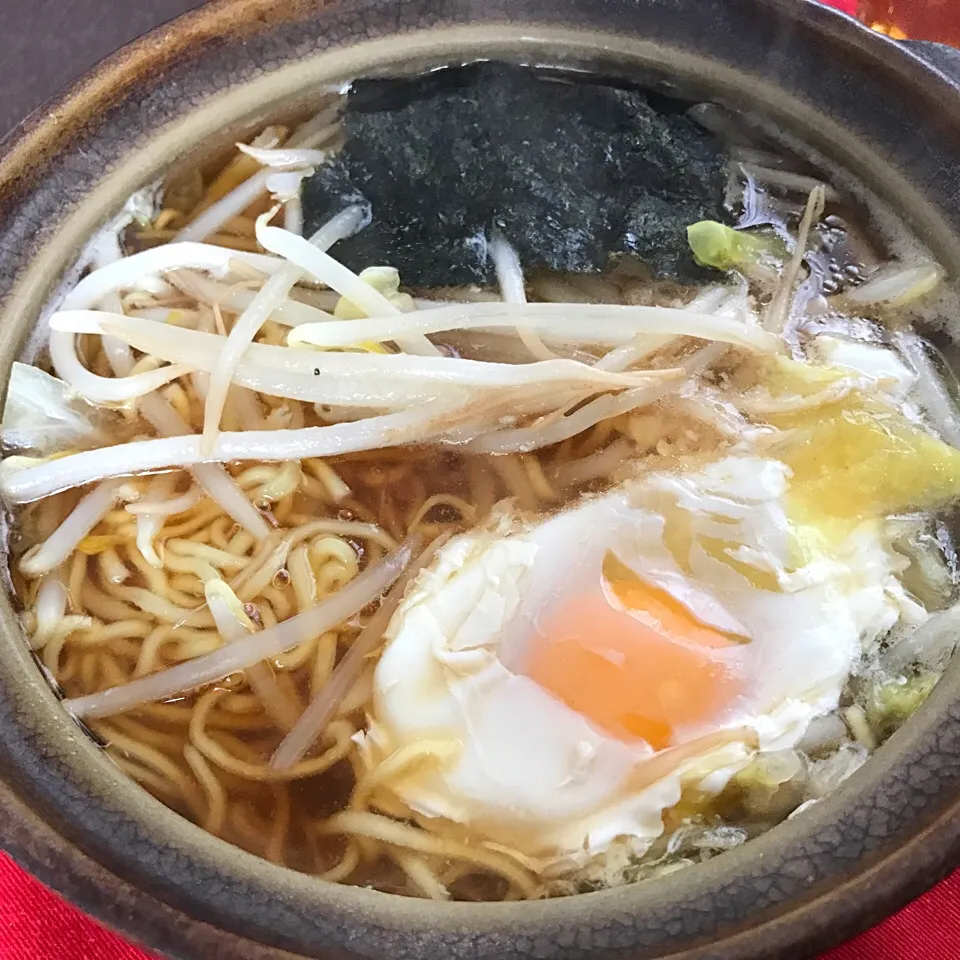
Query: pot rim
x: 896, y: 872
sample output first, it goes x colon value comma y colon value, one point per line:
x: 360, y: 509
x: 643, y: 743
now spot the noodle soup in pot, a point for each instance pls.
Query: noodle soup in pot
x: 541, y: 520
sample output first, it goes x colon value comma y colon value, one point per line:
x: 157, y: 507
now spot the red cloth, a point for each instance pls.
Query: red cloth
x: 847, y: 6
x: 36, y: 925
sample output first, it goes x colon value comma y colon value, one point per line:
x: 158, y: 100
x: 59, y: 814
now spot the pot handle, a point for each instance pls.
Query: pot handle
x: 944, y: 58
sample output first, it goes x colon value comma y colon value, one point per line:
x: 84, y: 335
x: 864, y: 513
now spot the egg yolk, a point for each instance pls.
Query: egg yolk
x: 633, y: 661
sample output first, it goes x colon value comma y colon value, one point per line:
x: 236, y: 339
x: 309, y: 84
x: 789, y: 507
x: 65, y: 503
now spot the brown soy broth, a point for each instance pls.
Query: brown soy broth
x: 389, y: 488
x: 206, y: 755
x: 386, y: 487
x: 236, y: 797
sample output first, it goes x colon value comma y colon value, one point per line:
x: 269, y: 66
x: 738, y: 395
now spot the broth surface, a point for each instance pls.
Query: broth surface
x: 771, y: 448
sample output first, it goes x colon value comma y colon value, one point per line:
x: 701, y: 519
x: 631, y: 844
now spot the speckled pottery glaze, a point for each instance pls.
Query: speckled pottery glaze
x: 889, y: 112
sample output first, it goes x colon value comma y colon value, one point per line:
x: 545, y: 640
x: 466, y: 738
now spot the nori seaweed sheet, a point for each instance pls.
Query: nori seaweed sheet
x: 568, y: 172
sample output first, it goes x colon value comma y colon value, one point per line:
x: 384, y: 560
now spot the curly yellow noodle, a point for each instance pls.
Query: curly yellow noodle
x: 51, y: 653
x: 399, y: 763
x: 482, y: 488
x: 266, y: 616
x: 111, y: 567
x: 249, y: 749
x: 101, y: 634
x: 280, y: 601
x: 216, y: 798
x: 218, y: 557
x: 88, y: 673
x: 420, y: 874
x: 339, y: 731
x: 377, y: 827
x: 240, y: 543
x: 186, y: 641
x: 302, y: 579
x: 105, y: 606
x: 76, y: 580
x: 204, y: 642
x: 69, y: 668
x: 283, y: 510
x: 323, y: 661
x: 156, y: 580
x: 313, y: 488
x: 154, y: 760
x: 243, y: 820
x: 360, y: 695
x: 326, y: 547
x: 192, y: 585
x: 156, y: 783
x: 465, y: 509
x: 161, y: 608
x: 111, y: 673
x: 541, y: 486
x: 332, y: 575
x: 517, y: 482
x: 220, y: 532
x: 178, y: 715
x: 280, y: 824
x: 124, y: 649
x: 359, y: 530
x: 248, y: 586
x: 297, y: 657
x: 195, y: 523
x: 344, y: 867
x: 168, y: 741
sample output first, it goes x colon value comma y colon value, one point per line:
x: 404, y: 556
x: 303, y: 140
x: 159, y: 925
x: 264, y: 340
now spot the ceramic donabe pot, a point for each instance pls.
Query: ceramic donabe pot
x: 890, y: 113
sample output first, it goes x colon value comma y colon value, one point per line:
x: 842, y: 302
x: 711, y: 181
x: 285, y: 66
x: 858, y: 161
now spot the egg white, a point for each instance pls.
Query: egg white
x: 532, y: 774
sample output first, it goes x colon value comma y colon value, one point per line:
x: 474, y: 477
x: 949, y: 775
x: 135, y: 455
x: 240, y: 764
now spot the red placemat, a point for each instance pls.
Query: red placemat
x: 37, y: 925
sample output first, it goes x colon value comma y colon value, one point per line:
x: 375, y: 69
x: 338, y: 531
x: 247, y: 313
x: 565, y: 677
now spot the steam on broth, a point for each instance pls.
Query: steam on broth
x: 589, y: 544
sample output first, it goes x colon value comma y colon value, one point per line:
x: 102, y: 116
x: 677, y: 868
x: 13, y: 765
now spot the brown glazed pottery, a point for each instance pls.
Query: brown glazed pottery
x: 889, y: 112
